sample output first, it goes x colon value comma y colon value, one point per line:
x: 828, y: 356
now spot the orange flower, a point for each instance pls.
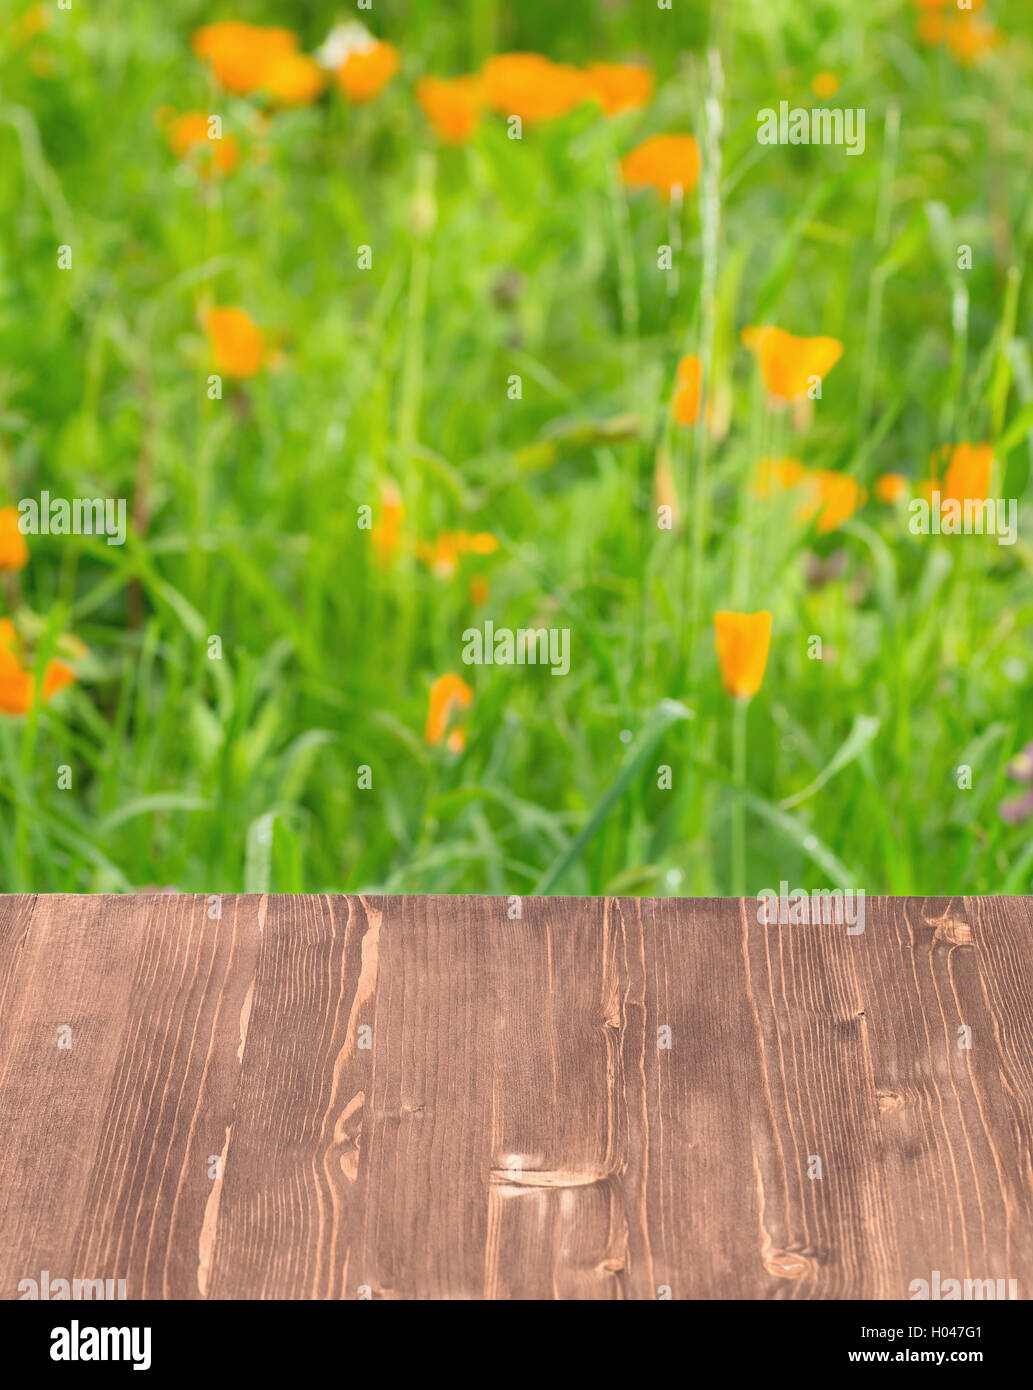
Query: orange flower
x: 619, y: 86
x: 689, y: 386
x: 8, y: 636
x: 480, y: 590
x: 386, y: 532
x: 665, y: 494
x: 532, y: 87
x: 451, y: 105
x: 742, y: 651
x: 778, y: 473
x: 968, y: 473
x: 56, y: 677
x: 930, y: 27
x: 449, y: 696
x: 238, y: 344
x: 188, y: 134
x: 293, y: 79
x: 14, y: 553
x: 17, y: 685
x: 787, y: 363
x: 837, y: 497
x: 891, y: 487
x: 367, y: 70
x: 443, y: 556
x: 825, y: 85
x: 242, y: 55
x: 970, y: 39
x: 664, y: 162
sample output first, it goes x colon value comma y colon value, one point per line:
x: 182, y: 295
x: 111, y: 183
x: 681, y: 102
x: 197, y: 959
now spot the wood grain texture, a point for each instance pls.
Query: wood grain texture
x: 396, y: 1098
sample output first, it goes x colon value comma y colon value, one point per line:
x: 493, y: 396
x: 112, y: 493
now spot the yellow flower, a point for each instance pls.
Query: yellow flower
x: 238, y: 344
x: 663, y: 162
x: 619, y: 86
x: 32, y: 22
x: 451, y: 105
x: 968, y: 473
x: 449, y: 696
x: 789, y: 364
x: 742, y: 651
x: 188, y: 135
x: 825, y: 85
x: 14, y: 553
x: 689, y: 387
x: 532, y: 87
x: 367, y: 70
x: 242, y: 55
x: 891, y: 487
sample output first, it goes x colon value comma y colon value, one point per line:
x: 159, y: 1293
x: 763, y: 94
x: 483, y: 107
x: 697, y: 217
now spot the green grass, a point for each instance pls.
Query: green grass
x: 242, y: 773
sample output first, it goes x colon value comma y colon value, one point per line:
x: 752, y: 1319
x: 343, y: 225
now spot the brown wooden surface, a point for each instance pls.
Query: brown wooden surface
x: 514, y: 1131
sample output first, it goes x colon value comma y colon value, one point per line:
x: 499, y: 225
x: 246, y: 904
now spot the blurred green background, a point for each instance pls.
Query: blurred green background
x: 242, y: 773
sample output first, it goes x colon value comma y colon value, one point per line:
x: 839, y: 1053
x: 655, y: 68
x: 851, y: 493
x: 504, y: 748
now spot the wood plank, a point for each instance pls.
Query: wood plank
x: 487, y: 1098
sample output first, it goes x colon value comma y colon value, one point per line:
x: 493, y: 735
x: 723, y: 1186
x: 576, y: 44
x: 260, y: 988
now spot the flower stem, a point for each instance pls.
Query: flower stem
x: 739, y: 804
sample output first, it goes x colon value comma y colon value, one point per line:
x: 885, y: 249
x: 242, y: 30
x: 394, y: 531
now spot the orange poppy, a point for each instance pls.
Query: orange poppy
x: 449, y: 696
x: 891, y: 487
x: 664, y: 162
x: 532, y: 87
x: 17, y: 685
x: 14, y: 553
x: 444, y: 554
x: 480, y: 590
x: 778, y: 473
x: 294, y: 79
x: 837, y: 497
x: 743, y: 640
x: 619, y: 86
x: 968, y: 473
x: 242, y: 55
x: 367, y: 70
x: 825, y: 85
x: 790, y: 364
x: 687, y: 395
x: 238, y: 344
x: 969, y: 39
x: 188, y: 135
x: 56, y: 677
x: 452, y: 105
x: 386, y: 531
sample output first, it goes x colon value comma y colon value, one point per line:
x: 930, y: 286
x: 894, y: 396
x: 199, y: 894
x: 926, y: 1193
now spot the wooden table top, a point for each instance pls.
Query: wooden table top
x: 341, y: 1097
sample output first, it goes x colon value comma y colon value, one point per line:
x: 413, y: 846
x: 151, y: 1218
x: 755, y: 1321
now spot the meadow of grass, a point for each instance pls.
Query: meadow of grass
x: 389, y: 385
